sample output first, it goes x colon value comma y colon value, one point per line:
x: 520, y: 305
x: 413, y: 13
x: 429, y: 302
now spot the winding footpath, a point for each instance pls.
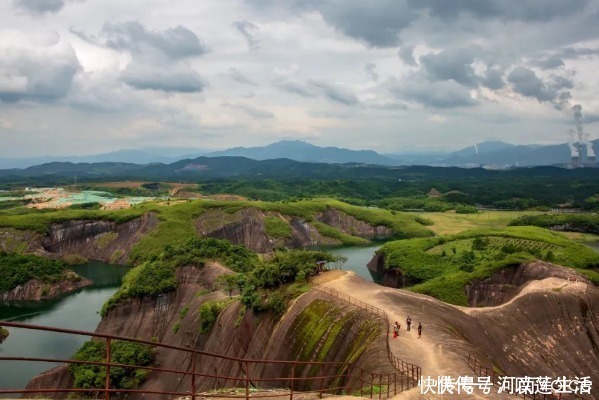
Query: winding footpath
x: 434, y: 352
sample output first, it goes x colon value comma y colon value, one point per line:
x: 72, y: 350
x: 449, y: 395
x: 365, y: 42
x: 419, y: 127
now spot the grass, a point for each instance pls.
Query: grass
x: 277, y: 228
x: 449, y: 223
x: 439, y: 264
x: 40, y: 220
x: 105, y: 239
x: 334, y: 233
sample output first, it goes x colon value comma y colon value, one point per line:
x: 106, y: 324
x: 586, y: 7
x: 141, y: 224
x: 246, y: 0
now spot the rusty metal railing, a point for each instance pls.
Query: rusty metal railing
x: 412, y: 372
x: 329, y: 376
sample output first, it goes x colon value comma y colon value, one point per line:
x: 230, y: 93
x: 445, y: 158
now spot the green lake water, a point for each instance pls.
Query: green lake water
x: 77, y: 310
x: 357, y: 258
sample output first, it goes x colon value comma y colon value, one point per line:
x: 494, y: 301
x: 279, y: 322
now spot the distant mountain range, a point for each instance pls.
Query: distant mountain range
x: 491, y: 153
x: 204, y: 169
x: 306, y: 152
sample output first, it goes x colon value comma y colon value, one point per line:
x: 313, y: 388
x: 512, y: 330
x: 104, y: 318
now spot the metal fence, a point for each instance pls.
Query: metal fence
x: 411, y: 372
x: 293, y: 376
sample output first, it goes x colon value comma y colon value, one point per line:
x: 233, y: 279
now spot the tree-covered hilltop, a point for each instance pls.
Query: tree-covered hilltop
x: 17, y: 269
x: 257, y: 279
x: 443, y: 265
x: 588, y: 223
x: 275, y: 180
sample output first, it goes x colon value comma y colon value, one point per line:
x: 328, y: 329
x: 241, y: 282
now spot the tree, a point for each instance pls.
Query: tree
x: 228, y: 283
x: 468, y: 261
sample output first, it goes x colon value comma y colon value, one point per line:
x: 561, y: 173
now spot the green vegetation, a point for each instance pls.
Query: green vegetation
x: 334, y: 233
x: 85, y: 206
x: 40, y: 220
x: 93, y: 376
x: 277, y: 228
x: 209, y: 313
x: 105, y: 239
x: 151, y: 278
x: 19, y: 269
x: 74, y: 259
x: 157, y: 275
x: 588, y: 223
x: 442, y: 266
x: 321, y: 325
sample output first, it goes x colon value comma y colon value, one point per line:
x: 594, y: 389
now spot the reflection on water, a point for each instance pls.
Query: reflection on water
x: 357, y: 259
x: 77, y: 310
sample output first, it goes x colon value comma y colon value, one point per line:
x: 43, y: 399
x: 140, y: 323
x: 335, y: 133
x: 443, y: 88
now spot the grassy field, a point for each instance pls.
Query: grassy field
x: 444, y: 264
x: 449, y: 223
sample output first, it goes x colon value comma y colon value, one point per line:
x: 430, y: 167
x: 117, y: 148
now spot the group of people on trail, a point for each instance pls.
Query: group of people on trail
x: 397, y: 327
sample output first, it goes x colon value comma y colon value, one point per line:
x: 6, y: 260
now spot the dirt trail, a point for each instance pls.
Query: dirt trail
x: 432, y: 352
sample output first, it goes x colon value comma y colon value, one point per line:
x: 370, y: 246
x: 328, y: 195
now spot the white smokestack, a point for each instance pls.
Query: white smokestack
x: 573, y: 149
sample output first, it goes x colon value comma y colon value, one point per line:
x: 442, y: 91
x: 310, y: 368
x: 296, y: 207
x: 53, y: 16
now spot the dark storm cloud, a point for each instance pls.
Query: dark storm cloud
x: 493, y: 79
x: 252, y: 111
x: 525, y: 82
x: 561, y: 82
x: 175, y: 43
x: 522, y: 10
x: 36, y: 77
x: 249, y: 31
x: 406, y: 54
x: 378, y: 24
x: 336, y: 93
x: 167, y: 79
x: 553, y: 61
x: 237, y: 76
x: 455, y: 64
x: 38, y: 7
x: 442, y: 94
x: 296, y: 88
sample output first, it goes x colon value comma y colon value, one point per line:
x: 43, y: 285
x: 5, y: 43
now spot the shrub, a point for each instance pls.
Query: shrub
x: 19, y: 269
x: 93, y: 376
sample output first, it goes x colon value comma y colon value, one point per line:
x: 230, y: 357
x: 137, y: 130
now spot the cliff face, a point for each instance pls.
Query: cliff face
x: 98, y: 240
x: 247, y: 227
x: 505, y: 284
x: 313, y: 328
x: 389, y: 277
x: 353, y: 226
x: 38, y: 290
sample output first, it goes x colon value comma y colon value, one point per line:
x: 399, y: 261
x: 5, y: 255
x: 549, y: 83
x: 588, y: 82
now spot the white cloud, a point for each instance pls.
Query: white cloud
x: 392, y: 75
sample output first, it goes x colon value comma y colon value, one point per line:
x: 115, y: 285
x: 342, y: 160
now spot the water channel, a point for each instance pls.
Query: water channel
x: 76, y: 310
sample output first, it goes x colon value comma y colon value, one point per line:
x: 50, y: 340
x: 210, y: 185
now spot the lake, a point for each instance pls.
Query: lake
x: 76, y: 310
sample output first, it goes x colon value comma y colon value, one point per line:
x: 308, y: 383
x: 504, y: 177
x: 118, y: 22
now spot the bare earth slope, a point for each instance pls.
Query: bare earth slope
x: 550, y: 328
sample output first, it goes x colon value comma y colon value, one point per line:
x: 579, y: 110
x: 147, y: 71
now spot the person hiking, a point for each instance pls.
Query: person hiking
x: 409, y: 322
x: 419, y: 330
x: 396, y: 327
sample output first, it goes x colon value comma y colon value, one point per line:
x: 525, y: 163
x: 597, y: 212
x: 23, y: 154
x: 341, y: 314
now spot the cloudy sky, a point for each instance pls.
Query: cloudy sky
x: 90, y: 76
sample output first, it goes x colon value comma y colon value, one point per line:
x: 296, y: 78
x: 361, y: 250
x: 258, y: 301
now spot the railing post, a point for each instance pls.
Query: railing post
x: 380, y: 385
x: 388, y: 384
x: 292, y: 381
x: 107, y: 382
x: 371, y: 385
x: 247, y: 380
x: 348, y: 380
x: 321, y: 381
x: 193, y: 377
x: 395, y: 383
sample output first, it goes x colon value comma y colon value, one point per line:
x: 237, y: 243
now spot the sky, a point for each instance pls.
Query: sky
x: 93, y: 76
